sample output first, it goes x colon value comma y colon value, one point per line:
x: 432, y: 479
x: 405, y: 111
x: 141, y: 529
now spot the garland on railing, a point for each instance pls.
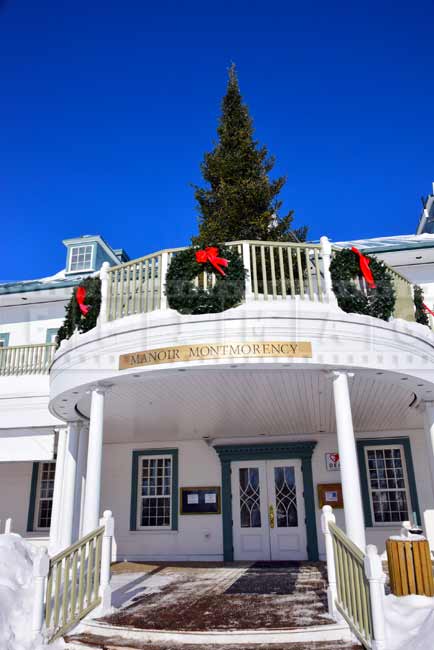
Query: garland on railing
x: 82, y: 310
x: 228, y: 290
x: 420, y: 314
x: 379, y: 298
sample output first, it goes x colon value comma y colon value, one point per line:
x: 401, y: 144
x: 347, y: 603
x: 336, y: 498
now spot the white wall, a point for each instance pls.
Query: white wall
x: 200, y: 465
x: 15, y: 483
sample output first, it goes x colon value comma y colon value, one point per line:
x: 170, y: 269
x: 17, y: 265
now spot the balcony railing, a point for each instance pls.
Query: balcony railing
x: 26, y: 359
x: 276, y: 271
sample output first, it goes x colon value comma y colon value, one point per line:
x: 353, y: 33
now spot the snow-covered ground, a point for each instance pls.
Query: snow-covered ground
x: 409, y: 622
x: 16, y: 595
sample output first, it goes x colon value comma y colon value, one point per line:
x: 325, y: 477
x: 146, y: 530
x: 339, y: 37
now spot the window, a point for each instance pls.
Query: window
x: 155, y: 487
x: 81, y: 258
x: 51, y: 335
x: 388, y: 484
x: 41, y: 496
x: 154, y: 493
x: 4, y: 340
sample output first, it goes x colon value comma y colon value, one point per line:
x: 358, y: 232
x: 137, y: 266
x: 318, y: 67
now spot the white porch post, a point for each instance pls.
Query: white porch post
x: 428, y: 515
x: 94, y: 461
x: 80, y: 483
x: 352, y: 494
x: 69, y: 483
x: 56, y: 513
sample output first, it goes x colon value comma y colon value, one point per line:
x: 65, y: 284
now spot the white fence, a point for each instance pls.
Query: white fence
x: 355, y: 584
x: 73, y: 583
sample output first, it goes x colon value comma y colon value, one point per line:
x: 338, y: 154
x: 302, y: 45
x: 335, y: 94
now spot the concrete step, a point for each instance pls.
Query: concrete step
x: 94, y: 642
x: 96, y: 634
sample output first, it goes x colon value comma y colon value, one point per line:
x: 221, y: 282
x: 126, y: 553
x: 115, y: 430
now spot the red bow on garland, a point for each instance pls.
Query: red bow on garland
x: 427, y: 309
x: 364, y: 268
x: 80, y: 296
x: 210, y: 255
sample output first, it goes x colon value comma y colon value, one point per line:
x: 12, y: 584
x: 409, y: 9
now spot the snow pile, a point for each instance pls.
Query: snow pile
x: 16, y: 595
x: 409, y: 622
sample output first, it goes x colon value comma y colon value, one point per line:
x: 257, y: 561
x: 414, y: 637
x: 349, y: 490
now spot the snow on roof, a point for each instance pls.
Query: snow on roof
x: 395, y: 242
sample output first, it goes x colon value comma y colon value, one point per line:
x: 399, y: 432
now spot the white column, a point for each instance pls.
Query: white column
x: 352, y: 494
x: 69, y: 483
x: 94, y: 461
x: 428, y: 515
x: 56, y: 513
x: 80, y: 483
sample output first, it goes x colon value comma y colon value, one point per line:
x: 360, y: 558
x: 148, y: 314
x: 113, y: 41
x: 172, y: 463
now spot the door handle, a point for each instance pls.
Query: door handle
x: 271, y: 515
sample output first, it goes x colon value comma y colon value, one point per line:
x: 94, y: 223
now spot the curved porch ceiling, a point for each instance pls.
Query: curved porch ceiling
x: 239, y: 402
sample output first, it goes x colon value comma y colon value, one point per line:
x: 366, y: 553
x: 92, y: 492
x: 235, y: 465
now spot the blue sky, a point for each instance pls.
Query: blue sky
x: 107, y: 109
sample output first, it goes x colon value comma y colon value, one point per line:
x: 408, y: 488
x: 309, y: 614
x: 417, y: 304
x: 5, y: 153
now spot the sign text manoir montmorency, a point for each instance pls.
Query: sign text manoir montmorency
x: 209, y: 351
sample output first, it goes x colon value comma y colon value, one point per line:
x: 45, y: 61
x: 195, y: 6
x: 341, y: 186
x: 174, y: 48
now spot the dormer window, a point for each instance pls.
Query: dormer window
x: 81, y: 258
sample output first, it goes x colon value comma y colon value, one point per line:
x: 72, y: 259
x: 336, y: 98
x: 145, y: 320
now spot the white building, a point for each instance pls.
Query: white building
x: 236, y: 416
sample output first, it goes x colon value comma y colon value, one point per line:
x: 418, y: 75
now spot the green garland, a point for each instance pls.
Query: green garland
x: 420, y: 314
x: 379, y: 302
x: 74, y: 319
x: 227, y: 292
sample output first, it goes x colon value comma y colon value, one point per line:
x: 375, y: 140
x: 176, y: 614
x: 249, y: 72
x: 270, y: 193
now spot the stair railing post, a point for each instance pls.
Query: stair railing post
x: 41, y: 566
x: 376, y: 578
x: 326, y: 251
x: 327, y: 517
x: 106, y: 556
x: 8, y: 526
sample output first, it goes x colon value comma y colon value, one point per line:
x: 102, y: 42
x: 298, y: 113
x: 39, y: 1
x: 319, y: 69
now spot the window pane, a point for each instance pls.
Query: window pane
x: 45, y: 496
x: 390, y: 502
x: 155, y: 491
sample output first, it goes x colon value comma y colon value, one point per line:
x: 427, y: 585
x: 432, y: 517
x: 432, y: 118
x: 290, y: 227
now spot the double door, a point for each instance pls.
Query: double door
x: 268, y: 510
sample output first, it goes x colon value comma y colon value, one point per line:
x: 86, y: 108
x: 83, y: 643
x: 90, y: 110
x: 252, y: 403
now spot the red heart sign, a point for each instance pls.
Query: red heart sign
x: 334, y: 457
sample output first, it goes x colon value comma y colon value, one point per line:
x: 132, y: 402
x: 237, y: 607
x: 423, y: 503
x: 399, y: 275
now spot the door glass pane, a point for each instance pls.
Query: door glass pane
x: 250, y: 504
x: 286, y: 497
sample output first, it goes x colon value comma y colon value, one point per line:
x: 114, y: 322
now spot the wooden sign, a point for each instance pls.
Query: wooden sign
x: 200, y: 500
x: 330, y: 494
x: 210, y: 351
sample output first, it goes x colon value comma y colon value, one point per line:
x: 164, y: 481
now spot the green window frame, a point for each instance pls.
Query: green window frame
x: 135, y: 494
x: 39, y: 492
x: 383, y: 443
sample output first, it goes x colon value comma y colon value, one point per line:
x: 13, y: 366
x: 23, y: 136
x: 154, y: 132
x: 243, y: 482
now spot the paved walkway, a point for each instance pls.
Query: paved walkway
x: 193, y: 597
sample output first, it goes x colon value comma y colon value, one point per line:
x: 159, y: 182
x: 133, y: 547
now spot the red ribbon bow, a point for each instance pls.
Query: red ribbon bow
x: 210, y: 255
x: 80, y: 296
x: 427, y: 309
x: 364, y: 268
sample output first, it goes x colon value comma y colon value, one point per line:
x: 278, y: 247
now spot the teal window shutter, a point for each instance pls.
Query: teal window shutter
x: 32, y: 501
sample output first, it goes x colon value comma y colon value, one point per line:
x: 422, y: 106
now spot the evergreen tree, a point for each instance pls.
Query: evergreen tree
x: 240, y: 201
